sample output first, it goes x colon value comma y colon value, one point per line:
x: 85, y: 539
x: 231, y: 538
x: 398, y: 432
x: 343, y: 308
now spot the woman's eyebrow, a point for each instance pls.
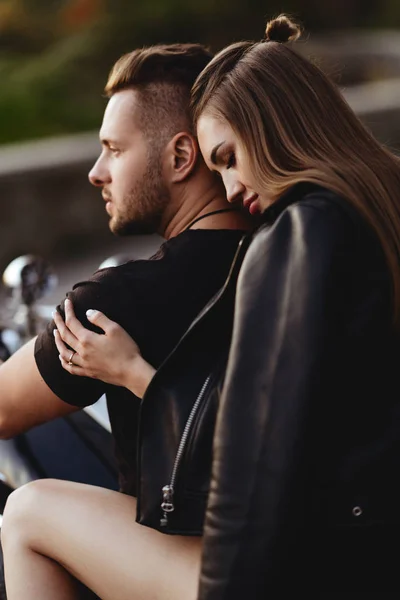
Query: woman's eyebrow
x: 213, y: 156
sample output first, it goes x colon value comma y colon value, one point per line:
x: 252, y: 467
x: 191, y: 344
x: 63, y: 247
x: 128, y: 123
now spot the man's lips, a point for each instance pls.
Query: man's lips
x: 108, y: 200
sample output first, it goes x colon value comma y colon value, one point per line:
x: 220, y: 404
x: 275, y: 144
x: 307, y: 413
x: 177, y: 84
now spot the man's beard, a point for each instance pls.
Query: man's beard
x: 145, y: 204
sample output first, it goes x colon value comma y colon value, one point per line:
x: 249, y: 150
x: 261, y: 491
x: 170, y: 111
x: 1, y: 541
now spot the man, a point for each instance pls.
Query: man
x: 152, y: 179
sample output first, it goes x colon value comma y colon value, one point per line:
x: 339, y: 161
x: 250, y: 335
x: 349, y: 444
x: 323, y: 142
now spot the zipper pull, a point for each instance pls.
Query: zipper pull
x: 167, y: 505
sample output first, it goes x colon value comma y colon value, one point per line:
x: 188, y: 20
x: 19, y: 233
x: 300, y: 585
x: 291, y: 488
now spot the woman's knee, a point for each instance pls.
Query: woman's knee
x: 24, y: 510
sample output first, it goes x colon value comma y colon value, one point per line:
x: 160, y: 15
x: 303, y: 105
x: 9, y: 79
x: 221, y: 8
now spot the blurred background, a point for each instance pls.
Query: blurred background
x: 55, y: 56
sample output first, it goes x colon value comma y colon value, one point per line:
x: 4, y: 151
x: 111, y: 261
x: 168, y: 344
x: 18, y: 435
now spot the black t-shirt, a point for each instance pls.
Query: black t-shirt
x: 155, y: 300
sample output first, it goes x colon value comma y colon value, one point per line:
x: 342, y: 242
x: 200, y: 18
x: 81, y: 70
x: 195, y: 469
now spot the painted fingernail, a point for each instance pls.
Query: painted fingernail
x: 54, y: 331
x: 90, y: 312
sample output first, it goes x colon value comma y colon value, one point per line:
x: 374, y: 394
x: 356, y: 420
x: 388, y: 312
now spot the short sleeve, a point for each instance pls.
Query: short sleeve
x: 76, y: 390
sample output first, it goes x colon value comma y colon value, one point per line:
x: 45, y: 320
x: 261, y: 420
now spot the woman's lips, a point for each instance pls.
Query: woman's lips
x: 253, y: 205
x: 254, y: 208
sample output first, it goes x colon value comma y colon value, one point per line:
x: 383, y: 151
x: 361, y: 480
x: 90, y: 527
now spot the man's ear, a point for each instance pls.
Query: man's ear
x: 184, y: 152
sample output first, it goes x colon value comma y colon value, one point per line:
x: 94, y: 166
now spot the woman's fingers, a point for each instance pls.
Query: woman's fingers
x: 73, y: 324
x: 72, y: 369
x: 64, y: 331
x: 66, y: 354
x: 61, y: 347
x: 106, y: 357
x: 100, y: 320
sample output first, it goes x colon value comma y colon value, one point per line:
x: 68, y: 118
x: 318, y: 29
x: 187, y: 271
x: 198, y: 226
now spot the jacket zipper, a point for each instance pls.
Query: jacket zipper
x: 167, y: 505
x: 237, y: 259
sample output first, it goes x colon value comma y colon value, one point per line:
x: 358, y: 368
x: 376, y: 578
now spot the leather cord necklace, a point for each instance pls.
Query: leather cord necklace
x: 213, y: 212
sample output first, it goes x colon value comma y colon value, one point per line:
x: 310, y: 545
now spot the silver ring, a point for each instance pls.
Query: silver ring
x: 71, y: 357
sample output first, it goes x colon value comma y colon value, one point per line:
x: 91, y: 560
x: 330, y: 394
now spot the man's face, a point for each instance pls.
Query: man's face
x: 129, y: 169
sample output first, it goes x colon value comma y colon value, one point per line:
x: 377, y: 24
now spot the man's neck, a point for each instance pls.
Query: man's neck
x: 212, y: 211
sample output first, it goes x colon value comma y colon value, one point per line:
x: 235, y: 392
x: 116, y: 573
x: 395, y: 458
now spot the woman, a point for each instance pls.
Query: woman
x: 307, y: 443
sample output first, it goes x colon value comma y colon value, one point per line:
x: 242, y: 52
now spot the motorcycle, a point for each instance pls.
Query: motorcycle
x: 77, y: 447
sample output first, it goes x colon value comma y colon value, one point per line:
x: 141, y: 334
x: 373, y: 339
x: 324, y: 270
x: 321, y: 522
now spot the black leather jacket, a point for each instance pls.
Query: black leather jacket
x: 177, y: 419
x: 305, y: 493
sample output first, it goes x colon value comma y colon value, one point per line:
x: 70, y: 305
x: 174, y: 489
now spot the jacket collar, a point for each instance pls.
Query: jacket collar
x: 294, y: 194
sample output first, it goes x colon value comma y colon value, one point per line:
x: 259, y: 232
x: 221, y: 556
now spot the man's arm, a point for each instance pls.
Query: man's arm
x: 34, y: 388
x: 25, y: 399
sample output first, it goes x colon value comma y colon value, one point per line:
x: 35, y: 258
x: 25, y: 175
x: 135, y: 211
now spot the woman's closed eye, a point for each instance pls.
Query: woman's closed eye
x: 231, y: 162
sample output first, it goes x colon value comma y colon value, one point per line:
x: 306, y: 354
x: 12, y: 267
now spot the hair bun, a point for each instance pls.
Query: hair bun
x: 282, y: 29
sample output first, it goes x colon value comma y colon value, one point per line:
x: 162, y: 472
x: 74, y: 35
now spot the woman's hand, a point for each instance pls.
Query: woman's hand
x: 112, y: 357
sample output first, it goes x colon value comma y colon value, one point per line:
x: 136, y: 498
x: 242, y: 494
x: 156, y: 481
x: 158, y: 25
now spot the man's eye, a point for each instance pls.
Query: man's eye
x: 231, y: 161
x: 114, y: 150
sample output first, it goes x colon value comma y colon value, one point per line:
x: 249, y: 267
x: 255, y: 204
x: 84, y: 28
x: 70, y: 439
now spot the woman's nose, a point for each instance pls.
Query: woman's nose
x: 234, y: 189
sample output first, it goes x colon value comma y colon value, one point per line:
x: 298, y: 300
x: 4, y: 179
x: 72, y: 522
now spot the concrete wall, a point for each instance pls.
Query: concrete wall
x: 47, y: 204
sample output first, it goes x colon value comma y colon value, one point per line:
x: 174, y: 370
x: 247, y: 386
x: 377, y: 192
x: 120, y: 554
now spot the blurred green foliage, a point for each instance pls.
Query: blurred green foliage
x: 55, y: 54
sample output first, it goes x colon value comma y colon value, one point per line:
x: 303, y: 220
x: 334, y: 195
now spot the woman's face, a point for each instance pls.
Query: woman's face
x: 224, y: 154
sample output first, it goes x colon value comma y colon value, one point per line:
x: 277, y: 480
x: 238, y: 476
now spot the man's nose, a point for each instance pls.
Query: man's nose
x: 98, y: 175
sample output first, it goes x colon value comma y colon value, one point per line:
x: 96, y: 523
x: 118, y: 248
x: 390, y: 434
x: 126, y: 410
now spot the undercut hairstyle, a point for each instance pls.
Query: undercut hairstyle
x: 163, y: 76
x: 294, y: 125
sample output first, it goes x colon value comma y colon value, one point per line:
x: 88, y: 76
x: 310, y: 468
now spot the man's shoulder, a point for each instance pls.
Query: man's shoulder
x: 191, y: 240
x: 192, y: 247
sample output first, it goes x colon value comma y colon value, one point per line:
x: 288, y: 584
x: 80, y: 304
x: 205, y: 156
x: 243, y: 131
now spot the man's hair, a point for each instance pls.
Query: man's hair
x: 163, y: 76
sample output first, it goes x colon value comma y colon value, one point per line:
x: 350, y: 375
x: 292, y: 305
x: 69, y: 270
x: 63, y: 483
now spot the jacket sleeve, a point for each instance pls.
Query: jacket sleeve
x: 291, y: 290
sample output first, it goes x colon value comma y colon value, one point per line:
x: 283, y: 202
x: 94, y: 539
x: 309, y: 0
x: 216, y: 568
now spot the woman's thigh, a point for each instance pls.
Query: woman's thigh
x: 92, y: 532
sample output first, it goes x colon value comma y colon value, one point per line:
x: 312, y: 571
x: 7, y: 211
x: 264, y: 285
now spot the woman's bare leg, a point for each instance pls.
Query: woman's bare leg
x: 53, y: 529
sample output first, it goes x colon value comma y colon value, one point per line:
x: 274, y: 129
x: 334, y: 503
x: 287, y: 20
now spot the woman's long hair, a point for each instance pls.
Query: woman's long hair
x: 295, y: 126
